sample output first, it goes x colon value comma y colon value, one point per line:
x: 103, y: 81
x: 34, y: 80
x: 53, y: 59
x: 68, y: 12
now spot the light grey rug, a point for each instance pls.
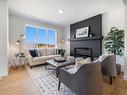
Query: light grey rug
x: 47, y: 82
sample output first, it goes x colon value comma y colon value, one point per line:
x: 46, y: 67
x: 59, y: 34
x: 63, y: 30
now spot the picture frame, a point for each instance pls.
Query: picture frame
x: 82, y: 32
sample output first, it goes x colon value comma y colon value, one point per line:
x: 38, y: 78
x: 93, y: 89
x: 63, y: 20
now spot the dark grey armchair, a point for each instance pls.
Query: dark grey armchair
x: 108, y: 66
x: 86, y: 81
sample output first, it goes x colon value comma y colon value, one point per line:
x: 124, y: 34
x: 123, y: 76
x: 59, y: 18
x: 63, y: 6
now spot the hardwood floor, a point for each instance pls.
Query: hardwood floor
x: 20, y: 83
x: 119, y: 86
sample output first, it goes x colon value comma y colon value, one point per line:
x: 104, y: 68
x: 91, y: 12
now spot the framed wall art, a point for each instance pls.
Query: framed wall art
x: 82, y: 32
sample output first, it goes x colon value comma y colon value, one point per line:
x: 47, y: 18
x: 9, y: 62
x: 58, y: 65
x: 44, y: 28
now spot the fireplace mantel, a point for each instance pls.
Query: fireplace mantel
x: 87, y: 38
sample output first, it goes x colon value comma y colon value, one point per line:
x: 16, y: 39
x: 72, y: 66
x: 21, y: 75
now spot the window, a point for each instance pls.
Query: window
x: 40, y: 37
x: 51, y: 39
x: 31, y: 34
x: 42, y: 40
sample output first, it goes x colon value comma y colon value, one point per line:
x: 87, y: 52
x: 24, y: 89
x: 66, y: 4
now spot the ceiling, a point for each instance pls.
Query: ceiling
x: 125, y: 2
x: 74, y: 10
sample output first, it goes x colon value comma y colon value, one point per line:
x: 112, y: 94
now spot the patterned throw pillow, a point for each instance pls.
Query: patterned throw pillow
x: 80, y: 62
x: 102, y: 57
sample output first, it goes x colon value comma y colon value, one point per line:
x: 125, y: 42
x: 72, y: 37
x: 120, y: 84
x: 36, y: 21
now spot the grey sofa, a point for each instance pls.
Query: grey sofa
x: 108, y: 66
x: 86, y: 81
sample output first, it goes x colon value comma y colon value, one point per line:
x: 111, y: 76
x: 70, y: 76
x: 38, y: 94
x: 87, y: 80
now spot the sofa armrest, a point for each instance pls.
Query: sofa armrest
x: 30, y: 58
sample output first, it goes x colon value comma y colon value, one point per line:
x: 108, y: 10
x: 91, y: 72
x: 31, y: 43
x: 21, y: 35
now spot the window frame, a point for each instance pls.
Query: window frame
x: 45, y: 28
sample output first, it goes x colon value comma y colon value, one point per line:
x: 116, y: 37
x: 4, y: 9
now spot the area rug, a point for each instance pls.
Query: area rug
x: 47, y: 82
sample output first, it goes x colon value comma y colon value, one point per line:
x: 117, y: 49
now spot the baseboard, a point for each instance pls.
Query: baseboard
x: 124, y: 77
x: 4, y: 75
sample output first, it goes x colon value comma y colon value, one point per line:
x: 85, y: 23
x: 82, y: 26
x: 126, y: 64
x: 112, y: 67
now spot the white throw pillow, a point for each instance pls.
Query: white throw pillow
x: 38, y: 52
x: 80, y: 63
x: 78, y: 59
x: 102, y: 57
x: 70, y: 59
x: 85, y: 61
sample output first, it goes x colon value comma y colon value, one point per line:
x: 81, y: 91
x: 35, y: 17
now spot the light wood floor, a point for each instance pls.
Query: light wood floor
x: 20, y: 83
x: 119, y: 86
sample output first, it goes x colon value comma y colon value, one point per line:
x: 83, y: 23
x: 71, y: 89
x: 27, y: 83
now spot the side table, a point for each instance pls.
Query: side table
x: 19, y: 61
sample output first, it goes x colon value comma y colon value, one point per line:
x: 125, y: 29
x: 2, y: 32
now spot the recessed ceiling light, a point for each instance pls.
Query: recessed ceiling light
x: 61, y: 11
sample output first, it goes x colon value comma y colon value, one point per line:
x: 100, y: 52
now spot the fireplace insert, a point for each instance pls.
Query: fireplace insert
x: 83, y: 52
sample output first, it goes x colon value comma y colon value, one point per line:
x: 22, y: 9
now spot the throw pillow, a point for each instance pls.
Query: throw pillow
x: 102, y: 57
x: 33, y: 53
x: 80, y: 63
x: 70, y: 59
x: 37, y: 52
x: 78, y: 59
x: 85, y: 61
x: 49, y: 51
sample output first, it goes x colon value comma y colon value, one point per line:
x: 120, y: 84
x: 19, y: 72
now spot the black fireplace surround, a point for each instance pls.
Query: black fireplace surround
x: 87, y: 46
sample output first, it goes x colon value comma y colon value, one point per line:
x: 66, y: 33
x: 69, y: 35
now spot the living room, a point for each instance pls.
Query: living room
x: 46, y: 47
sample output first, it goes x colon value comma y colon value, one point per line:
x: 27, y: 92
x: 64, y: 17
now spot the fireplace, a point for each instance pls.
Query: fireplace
x: 87, y: 46
x: 83, y: 52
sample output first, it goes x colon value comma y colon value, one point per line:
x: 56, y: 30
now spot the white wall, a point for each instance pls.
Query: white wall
x: 125, y: 52
x: 67, y: 36
x: 3, y: 38
x: 17, y: 27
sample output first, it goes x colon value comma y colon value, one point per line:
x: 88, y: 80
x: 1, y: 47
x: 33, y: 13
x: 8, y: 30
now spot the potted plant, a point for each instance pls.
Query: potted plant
x: 61, y: 52
x: 114, y: 41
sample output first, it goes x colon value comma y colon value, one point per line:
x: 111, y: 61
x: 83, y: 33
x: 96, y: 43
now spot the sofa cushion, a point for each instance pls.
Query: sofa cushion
x: 33, y: 52
x: 43, y: 52
x: 49, y: 51
x: 41, y: 58
x: 55, y: 52
x: 54, y: 56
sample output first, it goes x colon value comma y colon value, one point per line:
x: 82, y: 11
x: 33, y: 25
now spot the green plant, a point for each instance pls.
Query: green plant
x: 61, y: 52
x: 114, y: 41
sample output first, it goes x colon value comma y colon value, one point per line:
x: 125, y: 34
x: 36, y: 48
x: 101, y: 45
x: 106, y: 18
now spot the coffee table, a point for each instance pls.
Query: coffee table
x: 57, y: 65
